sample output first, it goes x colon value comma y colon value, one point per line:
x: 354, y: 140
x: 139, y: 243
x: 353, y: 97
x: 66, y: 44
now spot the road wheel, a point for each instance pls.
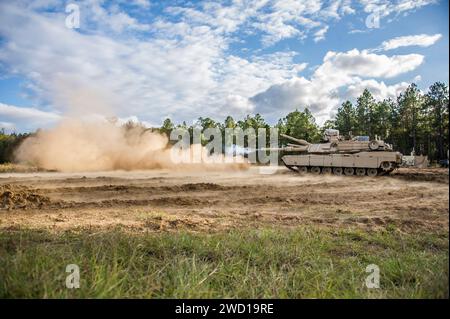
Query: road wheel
x: 372, y: 172
x: 337, y: 171
x: 302, y: 169
x: 326, y: 170
x: 315, y: 170
x: 360, y: 171
x: 349, y: 171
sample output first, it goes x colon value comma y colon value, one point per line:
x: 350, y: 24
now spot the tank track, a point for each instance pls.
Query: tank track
x: 339, y: 171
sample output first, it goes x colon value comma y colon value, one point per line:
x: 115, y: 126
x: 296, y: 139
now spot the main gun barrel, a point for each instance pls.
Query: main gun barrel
x: 296, y: 140
x: 298, y: 148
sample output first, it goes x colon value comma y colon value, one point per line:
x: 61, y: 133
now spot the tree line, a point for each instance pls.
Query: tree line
x: 415, y: 120
x: 8, y: 144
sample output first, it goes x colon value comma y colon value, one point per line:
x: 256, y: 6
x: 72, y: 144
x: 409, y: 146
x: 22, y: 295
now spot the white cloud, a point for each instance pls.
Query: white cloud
x: 379, y: 90
x: 276, y: 19
x: 320, y: 34
x: 183, y: 70
x: 15, y: 112
x: 388, y: 7
x: 337, y: 8
x: 422, y: 40
x: 141, y: 3
x: 25, y: 117
x: 346, y: 7
x: 283, y: 19
x: 183, y: 66
x: 342, y: 75
x: 366, y: 64
x: 288, y: 18
x: 239, y: 104
x: 113, y: 19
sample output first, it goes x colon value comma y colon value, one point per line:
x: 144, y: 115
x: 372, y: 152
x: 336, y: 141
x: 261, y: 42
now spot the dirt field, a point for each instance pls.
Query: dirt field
x: 410, y: 200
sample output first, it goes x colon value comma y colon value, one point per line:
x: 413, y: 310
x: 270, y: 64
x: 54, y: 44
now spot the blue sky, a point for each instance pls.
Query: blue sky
x: 148, y: 60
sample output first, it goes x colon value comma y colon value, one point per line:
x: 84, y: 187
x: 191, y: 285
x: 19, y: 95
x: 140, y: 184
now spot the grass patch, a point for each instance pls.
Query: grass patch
x: 306, y: 262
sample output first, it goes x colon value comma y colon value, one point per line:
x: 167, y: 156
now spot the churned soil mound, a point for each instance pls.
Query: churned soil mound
x: 21, y: 197
x: 439, y: 175
x: 408, y: 200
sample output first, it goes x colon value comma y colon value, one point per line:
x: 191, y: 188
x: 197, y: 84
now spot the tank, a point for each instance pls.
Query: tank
x: 336, y: 155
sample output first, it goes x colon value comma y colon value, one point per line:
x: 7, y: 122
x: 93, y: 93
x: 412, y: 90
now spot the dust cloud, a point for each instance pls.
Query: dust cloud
x: 75, y: 145
x: 84, y: 140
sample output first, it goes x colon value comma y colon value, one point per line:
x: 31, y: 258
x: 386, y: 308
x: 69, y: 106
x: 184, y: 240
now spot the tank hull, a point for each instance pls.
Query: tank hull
x: 383, y: 162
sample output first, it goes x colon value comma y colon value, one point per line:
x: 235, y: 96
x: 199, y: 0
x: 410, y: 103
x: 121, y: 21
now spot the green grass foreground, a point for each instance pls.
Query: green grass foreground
x: 306, y: 262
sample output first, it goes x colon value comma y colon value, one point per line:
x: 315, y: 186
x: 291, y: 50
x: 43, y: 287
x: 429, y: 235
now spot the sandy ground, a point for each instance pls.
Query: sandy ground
x: 162, y: 200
